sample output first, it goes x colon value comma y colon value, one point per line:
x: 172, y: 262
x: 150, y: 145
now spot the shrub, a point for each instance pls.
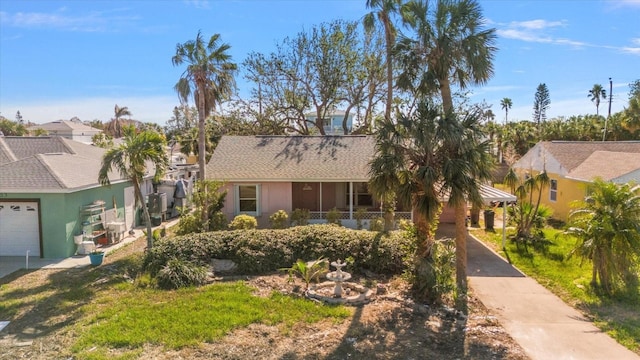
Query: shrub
x: 377, y: 224
x: 267, y: 250
x: 279, y: 219
x: 300, y: 217
x: 333, y: 217
x: 359, y: 216
x: 205, y: 193
x: 308, y: 271
x: 179, y: 273
x: 243, y: 222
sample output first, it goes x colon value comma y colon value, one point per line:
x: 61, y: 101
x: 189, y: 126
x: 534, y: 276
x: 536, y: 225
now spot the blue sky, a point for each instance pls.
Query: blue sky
x: 60, y: 59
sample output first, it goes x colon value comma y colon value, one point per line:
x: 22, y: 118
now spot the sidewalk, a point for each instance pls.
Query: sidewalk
x: 10, y: 264
x: 539, y: 321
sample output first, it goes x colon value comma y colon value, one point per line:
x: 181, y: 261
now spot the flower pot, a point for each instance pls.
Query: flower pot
x: 96, y: 258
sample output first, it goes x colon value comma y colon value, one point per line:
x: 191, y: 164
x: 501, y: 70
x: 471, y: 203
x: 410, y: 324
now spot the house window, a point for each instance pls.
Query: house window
x: 553, y: 190
x: 361, y: 195
x: 248, y: 199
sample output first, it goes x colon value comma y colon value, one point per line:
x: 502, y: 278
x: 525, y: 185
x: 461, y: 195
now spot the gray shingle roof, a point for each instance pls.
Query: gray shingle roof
x: 65, y: 127
x: 24, y: 146
x: 50, y: 164
x: 292, y: 158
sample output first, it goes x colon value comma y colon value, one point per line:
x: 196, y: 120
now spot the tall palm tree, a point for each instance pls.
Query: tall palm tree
x: 596, y: 93
x: 450, y: 44
x: 131, y: 159
x: 506, y: 105
x: 383, y: 10
x: 209, y: 76
x: 427, y: 157
x: 607, y: 227
x: 114, y: 127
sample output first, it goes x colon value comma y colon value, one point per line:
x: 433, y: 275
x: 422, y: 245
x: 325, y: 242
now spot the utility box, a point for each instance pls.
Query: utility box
x: 157, y: 203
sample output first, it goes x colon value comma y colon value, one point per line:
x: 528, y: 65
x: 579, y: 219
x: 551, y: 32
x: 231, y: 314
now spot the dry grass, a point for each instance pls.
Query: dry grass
x: 46, y: 324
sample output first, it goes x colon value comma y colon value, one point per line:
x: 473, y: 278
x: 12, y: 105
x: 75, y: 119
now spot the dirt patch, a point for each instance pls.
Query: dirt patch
x: 391, y: 326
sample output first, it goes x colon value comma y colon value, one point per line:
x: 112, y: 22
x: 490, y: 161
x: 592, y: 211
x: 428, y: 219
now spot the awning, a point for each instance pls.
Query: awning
x: 491, y: 194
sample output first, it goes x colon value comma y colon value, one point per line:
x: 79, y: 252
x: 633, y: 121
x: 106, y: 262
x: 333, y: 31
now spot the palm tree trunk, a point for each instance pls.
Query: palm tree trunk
x: 389, y: 45
x: 461, y: 256
x: 145, y: 214
x: 202, y: 152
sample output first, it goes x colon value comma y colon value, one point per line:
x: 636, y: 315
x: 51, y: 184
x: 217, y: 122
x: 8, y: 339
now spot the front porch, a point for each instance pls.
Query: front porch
x: 352, y: 200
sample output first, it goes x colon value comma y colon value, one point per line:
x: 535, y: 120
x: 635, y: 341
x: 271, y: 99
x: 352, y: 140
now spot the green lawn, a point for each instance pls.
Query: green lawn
x: 569, y: 279
x: 129, y: 317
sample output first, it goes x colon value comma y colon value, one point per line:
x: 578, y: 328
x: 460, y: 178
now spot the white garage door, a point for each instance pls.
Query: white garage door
x: 19, y: 230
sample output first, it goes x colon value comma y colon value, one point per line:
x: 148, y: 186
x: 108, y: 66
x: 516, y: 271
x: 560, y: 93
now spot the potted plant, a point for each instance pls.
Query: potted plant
x: 96, y: 257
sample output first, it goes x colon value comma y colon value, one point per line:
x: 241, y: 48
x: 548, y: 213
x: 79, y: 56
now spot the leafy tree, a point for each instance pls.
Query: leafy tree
x: 209, y: 77
x: 631, y: 115
x: 12, y: 128
x: 450, y: 48
x: 101, y: 140
x: 607, y: 228
x: 184, y: 119
x: 310, y: 71
x: 19, y: 118
x: 596, y: 93
x: 506, y: 105
x: 423, y: 157
x: 541, y: 104
x: 131, y: 159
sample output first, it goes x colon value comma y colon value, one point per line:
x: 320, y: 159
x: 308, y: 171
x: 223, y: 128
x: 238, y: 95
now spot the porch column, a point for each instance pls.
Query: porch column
x: 504, y: 224
x: 320, y: 200
x: 350, y: 200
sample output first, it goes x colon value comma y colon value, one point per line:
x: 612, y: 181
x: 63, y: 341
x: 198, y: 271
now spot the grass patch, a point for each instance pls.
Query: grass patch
x: 132, y: 317
x: 569, y: 279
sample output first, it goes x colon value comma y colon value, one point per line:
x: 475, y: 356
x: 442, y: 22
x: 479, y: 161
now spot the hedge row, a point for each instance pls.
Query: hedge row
x: 260, y: 251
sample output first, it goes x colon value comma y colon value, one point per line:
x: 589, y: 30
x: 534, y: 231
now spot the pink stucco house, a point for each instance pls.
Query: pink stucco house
x: 264, y: 174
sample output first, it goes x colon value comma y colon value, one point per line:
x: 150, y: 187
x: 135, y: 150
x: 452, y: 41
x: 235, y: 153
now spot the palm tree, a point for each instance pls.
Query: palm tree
x: 450, y: 44
x: 595, y: 94
x: 131, y: 159
x: 506, y: 105
x: 607, y: 227
x: 425, y: 158
x: 114, y: 127
x: 209, y: 77
x: 383, y: 9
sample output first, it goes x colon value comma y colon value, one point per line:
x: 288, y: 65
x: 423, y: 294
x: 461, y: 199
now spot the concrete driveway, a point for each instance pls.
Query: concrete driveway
x: 538, y: 320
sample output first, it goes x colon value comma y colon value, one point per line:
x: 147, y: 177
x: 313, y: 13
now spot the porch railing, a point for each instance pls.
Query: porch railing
x: 369, y: 215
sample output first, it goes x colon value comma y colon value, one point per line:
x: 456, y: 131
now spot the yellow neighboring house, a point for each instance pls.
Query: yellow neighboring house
x: 572, y: 165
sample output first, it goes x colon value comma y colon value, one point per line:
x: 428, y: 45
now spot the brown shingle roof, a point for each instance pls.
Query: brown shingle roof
x: 607, y: 165
x: 291, y: 158
x: 570, y: 154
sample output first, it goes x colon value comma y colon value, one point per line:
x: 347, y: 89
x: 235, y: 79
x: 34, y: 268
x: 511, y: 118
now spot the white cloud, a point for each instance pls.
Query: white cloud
x: 95, y: 21
x: 156, y: 109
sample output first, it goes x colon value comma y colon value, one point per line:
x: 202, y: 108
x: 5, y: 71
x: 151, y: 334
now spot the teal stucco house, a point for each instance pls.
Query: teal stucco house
x: 46, y: 185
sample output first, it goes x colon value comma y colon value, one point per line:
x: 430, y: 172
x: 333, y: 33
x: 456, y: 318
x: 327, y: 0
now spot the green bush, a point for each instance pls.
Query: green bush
x: 179, y: 273
x: 267, y: 250
x: 359, y: 216
x: 300, y: 217
x: 243, y: 222
x: 279, y: 219
x: 333, y: 217
x: 377, y: 224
